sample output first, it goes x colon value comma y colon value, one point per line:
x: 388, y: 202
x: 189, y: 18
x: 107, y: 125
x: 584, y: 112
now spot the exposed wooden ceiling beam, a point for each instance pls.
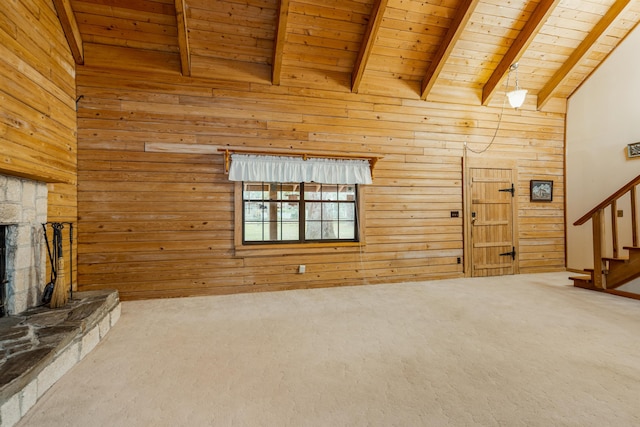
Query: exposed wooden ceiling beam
x: 70, y: 28
x: 458, y: 24
x: 519, y: 46
x: 367, y: 43
x: 281, y: 35
x: 581, y: 52
x: 183, y: 37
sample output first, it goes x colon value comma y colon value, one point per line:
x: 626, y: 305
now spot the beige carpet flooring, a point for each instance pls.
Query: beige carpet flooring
x: 525, y: 350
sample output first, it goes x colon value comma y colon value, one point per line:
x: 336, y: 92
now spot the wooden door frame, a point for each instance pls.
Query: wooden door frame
x: 471, y: 161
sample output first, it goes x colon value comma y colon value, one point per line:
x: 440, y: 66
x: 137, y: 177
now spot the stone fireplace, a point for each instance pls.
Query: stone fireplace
x: 23, y: 210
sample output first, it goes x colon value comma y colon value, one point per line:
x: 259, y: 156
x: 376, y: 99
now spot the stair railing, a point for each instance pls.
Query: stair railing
x: 597, y: 217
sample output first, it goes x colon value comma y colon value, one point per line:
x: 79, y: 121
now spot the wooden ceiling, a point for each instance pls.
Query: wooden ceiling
x: 444, y: 50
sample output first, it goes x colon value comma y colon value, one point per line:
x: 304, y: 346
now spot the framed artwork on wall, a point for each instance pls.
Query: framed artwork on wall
x: 541, y: 190
x: 633, y: 150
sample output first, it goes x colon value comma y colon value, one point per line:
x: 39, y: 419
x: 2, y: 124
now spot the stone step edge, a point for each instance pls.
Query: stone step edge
x: 46, y: 374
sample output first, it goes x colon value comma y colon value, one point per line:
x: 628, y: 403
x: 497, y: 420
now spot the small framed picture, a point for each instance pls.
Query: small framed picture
x: 633, y: 150
x: 541, y: 190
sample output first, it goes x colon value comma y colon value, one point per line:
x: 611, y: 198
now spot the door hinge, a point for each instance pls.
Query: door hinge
x: 511, y: 190
x: 512, y: 253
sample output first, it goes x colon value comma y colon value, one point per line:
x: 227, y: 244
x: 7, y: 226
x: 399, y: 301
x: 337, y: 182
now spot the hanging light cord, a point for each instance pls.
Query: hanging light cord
x: 506, y: 86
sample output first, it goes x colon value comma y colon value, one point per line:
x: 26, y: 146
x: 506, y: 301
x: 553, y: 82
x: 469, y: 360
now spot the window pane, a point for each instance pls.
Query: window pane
x: 290, y: 191
x: 347, y: 211
x: 271, y: 211
x: 312, y: 192
x: 329, y: 230
x: 329, y: 192
x: 290, y: 215
x: 290, y: 212
x: 347, y: 192
x: 347, y: 230
x: 272, y: 231
x: 270, y: 221
x: 313, y: 230
x: 313, y: 211
x: 253, y: 211
x: 273, y: 191
x: 329, y: 211
x: 253, y: 231
x: 289, y: 231
x: 255, y: 191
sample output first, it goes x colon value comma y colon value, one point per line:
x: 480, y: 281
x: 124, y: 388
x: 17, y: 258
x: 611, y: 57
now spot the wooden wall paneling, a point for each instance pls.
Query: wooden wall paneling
x: 343, y: 19
x: 71, y: 30
x: 231, y: 40
x: 154, y: 200
x: 366, y: 47
x: 148, y: 25
x: 152, y: 208
x: 583, y: 50
x: 281, y: 35
x: 235, y: 40
x: 137, y: 60
x: 183, y: 37
x: 520, y: 44
x: 63, y: 207
x: 37, y: 105
x: 111, y: 31
x: 458, y: 24
x: 38, y: 113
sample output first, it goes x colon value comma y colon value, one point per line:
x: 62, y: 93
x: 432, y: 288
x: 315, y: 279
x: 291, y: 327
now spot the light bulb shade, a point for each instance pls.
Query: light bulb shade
x: 516, y: 97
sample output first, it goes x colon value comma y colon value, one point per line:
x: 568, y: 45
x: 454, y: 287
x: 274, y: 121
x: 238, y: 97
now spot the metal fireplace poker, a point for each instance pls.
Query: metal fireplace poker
x: 55, y: 252
x: 3, y: 270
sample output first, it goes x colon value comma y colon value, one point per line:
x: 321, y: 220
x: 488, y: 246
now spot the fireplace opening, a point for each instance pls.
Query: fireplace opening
x: 3, y: 270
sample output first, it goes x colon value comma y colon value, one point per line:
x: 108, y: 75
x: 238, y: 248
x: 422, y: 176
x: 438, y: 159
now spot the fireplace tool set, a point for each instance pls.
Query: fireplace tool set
x: 55, y: 293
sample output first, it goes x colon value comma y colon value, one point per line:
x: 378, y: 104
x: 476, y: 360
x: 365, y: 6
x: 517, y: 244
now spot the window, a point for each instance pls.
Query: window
x: 299, y: 213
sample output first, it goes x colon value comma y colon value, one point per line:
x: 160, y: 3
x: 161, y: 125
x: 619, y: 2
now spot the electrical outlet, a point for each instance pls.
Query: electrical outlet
x: 459, y: 260
x: 455, y: 214
x: 620, y: 213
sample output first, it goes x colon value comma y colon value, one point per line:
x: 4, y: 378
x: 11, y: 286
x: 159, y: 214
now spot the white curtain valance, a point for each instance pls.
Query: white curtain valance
x: 250, y: 167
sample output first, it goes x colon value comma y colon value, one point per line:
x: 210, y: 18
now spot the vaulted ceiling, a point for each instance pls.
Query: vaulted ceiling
x: 458, y: 50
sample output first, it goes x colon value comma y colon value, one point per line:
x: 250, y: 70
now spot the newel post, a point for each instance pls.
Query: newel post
x: 614, y: 227
x: 634, y: 217
x: 597, y: 221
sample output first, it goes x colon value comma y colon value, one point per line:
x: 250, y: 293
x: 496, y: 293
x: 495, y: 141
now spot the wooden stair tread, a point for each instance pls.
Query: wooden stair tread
x: 631, y: 248
x: 583, y: 278
x: 616, y: 259
x: 584, y: 282
x: 591, y: 270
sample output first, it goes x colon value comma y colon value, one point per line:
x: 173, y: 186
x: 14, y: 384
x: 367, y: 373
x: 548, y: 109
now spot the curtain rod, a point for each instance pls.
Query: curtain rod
x: 228, y: 152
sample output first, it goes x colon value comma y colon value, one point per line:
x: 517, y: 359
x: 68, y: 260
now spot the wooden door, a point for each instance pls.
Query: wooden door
x: 491, y: 212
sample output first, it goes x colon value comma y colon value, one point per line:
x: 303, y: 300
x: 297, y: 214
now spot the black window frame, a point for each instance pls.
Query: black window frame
x: 302, y: 239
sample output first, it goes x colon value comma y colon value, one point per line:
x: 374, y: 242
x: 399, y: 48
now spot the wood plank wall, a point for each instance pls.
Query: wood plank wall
x: 38, y: 124
x: 160, y: 224
x: 38, y: 95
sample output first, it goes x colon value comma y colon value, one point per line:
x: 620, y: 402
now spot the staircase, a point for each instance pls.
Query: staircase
x: 609, y: 273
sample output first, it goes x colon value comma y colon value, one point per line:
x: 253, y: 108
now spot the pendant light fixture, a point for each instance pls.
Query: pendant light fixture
x: 517, y: 96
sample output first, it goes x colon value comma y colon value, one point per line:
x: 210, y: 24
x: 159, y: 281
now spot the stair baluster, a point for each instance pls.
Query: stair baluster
x: 610, y: 273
